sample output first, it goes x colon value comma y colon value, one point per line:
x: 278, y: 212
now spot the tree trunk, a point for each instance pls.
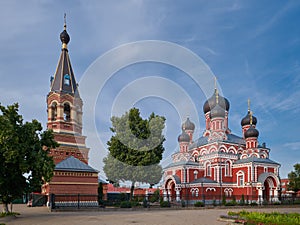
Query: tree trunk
x: 131, y: 190
x: 5, y: 207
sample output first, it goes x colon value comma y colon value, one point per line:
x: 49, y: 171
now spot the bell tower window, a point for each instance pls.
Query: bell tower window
x: 54, y: 111
x: 67, y: 112
x: 67, y: 79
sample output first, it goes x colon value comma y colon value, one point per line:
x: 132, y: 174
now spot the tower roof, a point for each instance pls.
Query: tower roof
x: 73, y: 164
x: 64, y: 79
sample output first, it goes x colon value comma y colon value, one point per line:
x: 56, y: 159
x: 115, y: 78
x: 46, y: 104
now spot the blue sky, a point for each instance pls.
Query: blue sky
x: 253, y: 47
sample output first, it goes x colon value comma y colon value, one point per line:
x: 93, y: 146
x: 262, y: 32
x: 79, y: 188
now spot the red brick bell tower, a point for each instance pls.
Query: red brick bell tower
x: 72, y: 174
x: 65, y: 109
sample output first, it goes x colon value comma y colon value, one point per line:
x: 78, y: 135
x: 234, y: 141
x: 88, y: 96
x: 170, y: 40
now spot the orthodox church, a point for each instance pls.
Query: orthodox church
x: 220, y: 164
x: 72, y: 174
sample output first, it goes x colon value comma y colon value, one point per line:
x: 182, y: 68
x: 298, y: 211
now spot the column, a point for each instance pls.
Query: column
x: 276, y: 195
x: 260, y: 195
x: 165, y: 194
x: 271, y: 195
x: 178, y: 189
x: 169, y: 194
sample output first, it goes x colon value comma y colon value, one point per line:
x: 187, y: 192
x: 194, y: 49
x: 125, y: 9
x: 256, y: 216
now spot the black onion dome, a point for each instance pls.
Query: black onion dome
x: 183, y: 137
x: 246, y: 120
x: 188, y: 125
x: 211, y: 103
x: 251, y: 132
x: 217, y: 111
x: 64, y: 37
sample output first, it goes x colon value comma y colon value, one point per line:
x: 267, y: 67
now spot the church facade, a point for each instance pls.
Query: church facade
x: 72, y: 174
x: 220, y: 165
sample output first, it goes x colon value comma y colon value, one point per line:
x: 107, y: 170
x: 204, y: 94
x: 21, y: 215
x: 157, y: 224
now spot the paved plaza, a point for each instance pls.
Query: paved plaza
x: 42, y: 216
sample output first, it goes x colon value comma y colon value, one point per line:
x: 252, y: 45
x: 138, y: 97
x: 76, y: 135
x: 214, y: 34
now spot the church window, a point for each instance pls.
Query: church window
x: 227, y: 168
x: 67, y: 112
x: 208, y: 169
x: 54, y: 111
x: 240, y: 178
x: 67, y: 79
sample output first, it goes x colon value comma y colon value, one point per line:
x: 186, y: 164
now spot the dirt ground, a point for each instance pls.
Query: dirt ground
x: 41, y: 215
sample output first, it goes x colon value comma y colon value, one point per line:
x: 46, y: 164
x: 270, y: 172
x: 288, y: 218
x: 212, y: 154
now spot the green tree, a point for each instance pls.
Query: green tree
x: 25, y: 163
x: 135, y: 149
x: 294, y: 179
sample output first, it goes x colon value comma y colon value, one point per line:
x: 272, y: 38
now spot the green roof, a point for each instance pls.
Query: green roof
x: 73, y: 164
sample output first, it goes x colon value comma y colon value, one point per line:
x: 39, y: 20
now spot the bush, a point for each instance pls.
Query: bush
x: 231, y: 203
x: 277, y: 203
x: 253, y: 204
x: 182, y: 203
x: 242, y: 201
x: 146, y: 203
x: 155, y: 196
x: 125, y: 204
x: 165, y: 204
x: 223, y: 200
x: 214, y: 202
x: 199, y: 204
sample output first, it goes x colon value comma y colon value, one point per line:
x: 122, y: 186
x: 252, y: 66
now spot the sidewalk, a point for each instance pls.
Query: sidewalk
x: 42, y: 216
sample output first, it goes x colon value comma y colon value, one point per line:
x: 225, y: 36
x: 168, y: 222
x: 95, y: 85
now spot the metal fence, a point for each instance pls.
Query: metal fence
x: 116, y: 199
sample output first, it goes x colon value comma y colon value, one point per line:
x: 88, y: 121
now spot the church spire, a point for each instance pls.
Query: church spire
x: 64, y: 79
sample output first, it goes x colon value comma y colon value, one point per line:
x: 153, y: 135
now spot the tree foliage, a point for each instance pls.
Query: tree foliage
x: 23, y: 155
x: 135, y: 149
x: 294, y: 179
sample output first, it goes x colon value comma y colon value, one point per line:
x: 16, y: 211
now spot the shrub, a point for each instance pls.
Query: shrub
x: 155, y: 196
x: 253, y: 204
x: 223, y: 200
x: 145, y: 203
x: 242, y: 201
x: 165, y: 204
x: 214, y: 202
x: 182, y: 203
x: 125, y: 204
x: 231, y: 203
x: 199, y: 204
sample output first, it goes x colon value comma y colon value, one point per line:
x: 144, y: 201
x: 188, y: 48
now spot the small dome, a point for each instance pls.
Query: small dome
x: 64, y: 37
x: 211, y: 103
x: 217, y: 111
x: 251, y: 132
x: 246, y: 120
x: 183, y: 137
x: 188, y: 125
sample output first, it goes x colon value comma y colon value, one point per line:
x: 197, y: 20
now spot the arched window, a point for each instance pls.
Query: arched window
x: 53, y: 111
x: 67, y: 112
x: 240, y: 178
x: 208, y: 169
x: 227, y: 168
x: 67, y: 79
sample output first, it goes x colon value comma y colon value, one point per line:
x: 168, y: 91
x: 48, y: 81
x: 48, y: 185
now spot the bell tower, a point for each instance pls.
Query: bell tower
x: 64, y: 107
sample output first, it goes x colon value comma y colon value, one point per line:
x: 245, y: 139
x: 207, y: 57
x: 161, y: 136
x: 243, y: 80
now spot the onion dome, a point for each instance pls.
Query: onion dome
x: 217, y: 111
x: 188, y: 125
x: 247, y: 119
x: 64, y: 36
x: 183, y: 137
x: 251, y: 132
x: 212, y: 102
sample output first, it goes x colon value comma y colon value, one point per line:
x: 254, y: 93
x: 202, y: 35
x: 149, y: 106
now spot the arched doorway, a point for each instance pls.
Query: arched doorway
x: 169, y: 189
x: 269, y: 187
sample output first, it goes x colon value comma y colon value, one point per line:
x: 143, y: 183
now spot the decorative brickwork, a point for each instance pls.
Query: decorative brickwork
x: 220, y: 163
